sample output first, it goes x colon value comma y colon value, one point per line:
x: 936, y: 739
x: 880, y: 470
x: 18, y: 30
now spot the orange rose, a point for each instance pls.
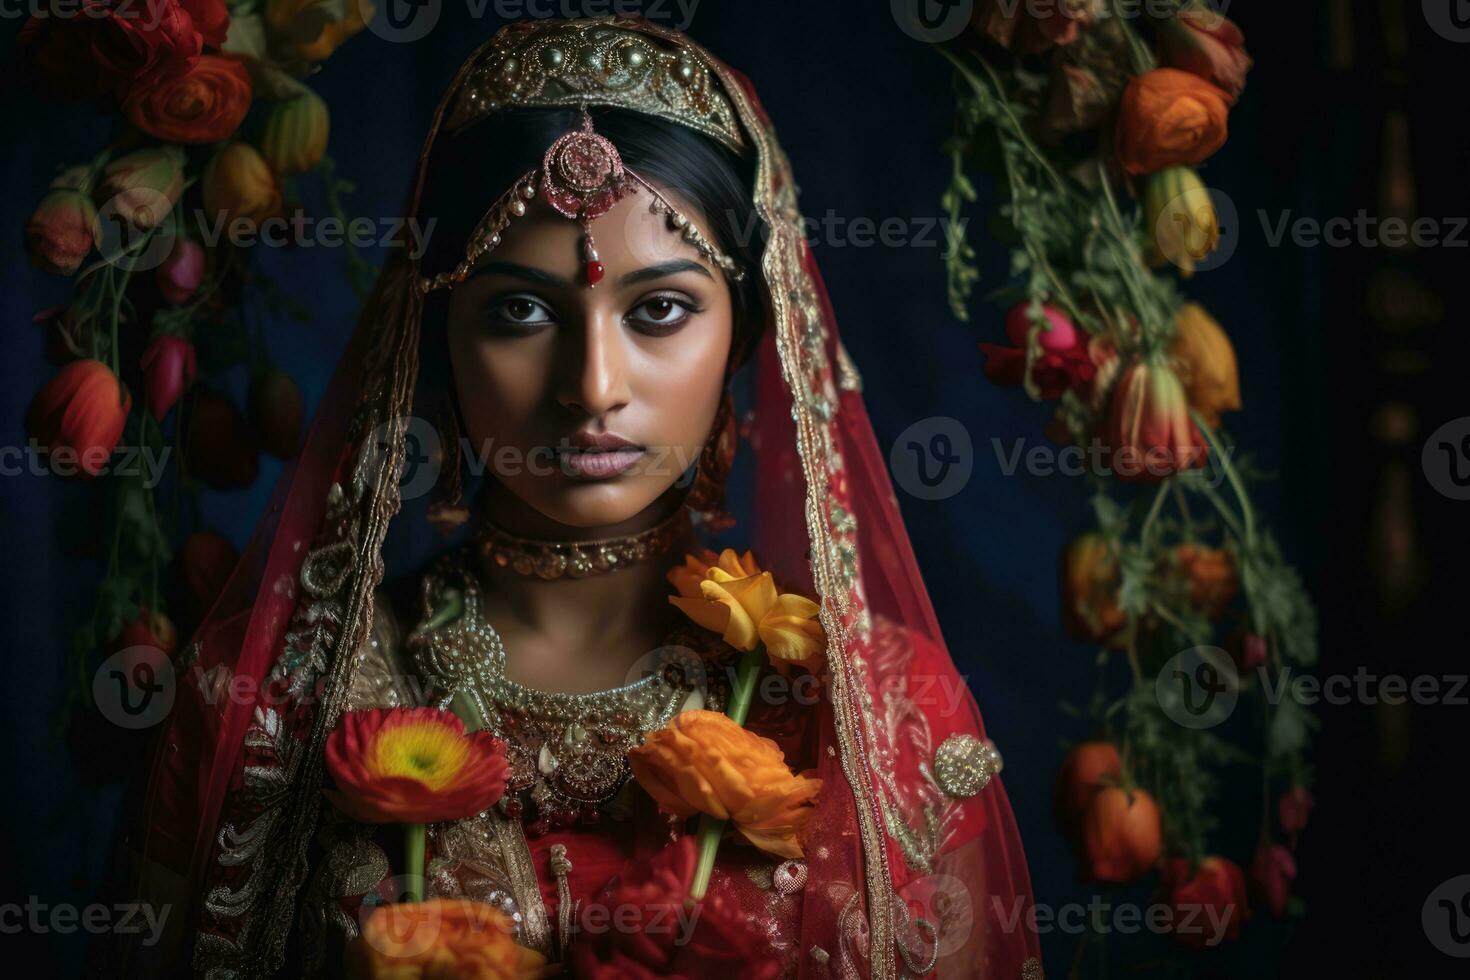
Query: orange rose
x: 203, y: 105
x: 705, y: 762
x: 441, y: 938
x: 413, y: 765
x: 1170, y: 117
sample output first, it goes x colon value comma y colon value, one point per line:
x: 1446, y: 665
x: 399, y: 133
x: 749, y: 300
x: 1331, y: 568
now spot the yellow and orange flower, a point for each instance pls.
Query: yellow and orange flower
x: 730, y: 595
x: 445, y: 937
x: 705, y: 762
x: 413, y: 765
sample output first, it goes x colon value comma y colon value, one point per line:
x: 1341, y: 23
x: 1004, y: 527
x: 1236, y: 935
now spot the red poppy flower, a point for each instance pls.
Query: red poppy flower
x: 413, y: 765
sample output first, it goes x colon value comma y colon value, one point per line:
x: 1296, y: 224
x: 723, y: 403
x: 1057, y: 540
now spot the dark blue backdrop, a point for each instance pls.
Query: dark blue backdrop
x: 862, y: 110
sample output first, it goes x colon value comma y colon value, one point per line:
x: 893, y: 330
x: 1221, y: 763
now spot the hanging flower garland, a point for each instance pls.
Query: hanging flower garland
x: 1093, y: 125
x: 158, y: 233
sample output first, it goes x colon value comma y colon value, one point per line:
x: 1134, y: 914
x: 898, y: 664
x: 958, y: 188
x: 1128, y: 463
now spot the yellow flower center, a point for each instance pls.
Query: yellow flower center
x: 430, y: 753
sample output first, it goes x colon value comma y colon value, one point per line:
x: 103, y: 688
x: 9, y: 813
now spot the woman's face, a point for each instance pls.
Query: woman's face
x: 588, y: 404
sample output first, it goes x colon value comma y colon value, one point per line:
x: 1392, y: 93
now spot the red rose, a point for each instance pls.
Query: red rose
x: 1272, y: 871
x: 1208, y: 902
x: 135, y: 40
x: 80, y: 413
x: 203, y: 105
x: 211, y: 19
x: 639, y: 927
x: 1062, y: 364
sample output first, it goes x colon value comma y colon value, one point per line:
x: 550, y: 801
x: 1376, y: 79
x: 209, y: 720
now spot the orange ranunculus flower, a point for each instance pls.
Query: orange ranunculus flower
x: 413, y: 765
x: 1206, y: 362
x: 704, y: 762
x: 1213, y: 580
x: 439, y: 939
x: 1170, y: 117
x: 205, y: 104
x: 730, y: 595
x: 1090, y: 581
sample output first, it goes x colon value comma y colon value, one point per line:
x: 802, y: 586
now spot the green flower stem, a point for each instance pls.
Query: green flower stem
x: 712, y: 828
x: 413, y: 854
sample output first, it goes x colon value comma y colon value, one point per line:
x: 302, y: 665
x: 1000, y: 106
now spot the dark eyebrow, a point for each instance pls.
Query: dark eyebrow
x: 523, y: 272
x: 663, y: 269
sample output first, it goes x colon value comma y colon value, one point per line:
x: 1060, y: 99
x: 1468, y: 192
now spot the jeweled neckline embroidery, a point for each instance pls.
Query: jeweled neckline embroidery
x: 567, y: 751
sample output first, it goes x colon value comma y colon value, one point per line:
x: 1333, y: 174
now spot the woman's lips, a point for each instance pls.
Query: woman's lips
x: 600, y: 464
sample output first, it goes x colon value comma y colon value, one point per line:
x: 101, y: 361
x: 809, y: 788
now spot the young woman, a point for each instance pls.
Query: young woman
x: 615, y: 298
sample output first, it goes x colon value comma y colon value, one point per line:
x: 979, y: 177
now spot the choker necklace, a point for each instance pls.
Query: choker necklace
x: 579, y: 559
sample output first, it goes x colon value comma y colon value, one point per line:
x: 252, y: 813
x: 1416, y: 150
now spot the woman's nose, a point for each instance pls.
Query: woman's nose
x: 595, y: 379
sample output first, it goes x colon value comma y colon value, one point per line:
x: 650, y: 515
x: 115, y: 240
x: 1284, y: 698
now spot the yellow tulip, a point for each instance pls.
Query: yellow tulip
x: 1182, y: 225
x: 295, y: 136
x: 238, y: 184
x: 1206, y: 362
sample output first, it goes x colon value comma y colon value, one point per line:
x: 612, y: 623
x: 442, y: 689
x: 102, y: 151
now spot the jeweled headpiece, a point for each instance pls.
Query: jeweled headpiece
x: 582, y: 176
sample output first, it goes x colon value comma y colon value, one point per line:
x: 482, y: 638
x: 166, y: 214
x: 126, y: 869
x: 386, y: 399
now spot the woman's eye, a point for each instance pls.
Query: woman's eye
x: 661, y: 313
x: 520, y: 311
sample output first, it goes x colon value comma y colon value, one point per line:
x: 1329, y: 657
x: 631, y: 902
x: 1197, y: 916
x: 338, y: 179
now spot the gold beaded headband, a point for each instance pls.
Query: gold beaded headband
x: 582, y: 177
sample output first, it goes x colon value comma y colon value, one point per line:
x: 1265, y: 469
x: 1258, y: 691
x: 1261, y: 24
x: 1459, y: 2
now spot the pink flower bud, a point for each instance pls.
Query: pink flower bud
x: 182, y: 272
x: 60, y: 232
x: 144, y: 185
x: 168, y: 370
x: 1149, y: 428
x: 1272, y: 871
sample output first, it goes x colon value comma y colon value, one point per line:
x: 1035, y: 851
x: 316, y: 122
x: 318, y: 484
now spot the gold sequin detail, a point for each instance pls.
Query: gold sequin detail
x: 964, y: 765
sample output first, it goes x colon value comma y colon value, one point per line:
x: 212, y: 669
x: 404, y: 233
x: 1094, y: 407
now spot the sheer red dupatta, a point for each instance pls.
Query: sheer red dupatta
x: 915, y: 864
x: 913, y: 868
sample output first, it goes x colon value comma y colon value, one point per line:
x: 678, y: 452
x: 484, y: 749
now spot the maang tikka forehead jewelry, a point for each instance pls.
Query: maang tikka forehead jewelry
x: 582, y: 177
